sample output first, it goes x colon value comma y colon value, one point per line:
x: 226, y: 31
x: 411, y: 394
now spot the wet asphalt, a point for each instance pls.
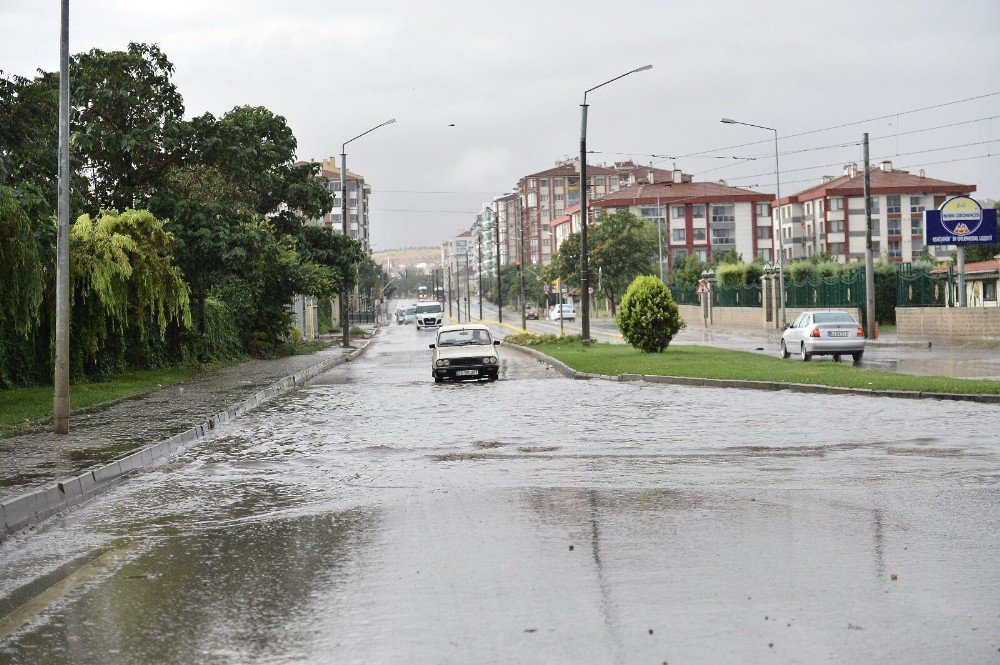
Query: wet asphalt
x: 375, y: 517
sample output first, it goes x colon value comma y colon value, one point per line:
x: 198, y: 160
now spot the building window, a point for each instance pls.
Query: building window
x: 701, y: 254
x: 895, y: 249
x: 820, y: 205
x: 698, y: 235
x: 599, y: 182
x: 809, y: 208
x: 764, y: 253
x: 875, y: 205
x: 723, y: 237
x: 837, y: 203
x: 916, y: 205
x: 763, y: 232
x: 560, y: 197
x: 653, y: 213
x: 677, y: 235
x: 836, y: 225
x: 545, y: 198
x: 893, y: 227
x: 558, y: 182
x: 763, y: 209
x: 892, y: 204
x: 698, y: 211
x: 676, y: 212
x: 543, y: 183
x: 990, y: 290
x: 545, y: 214
x: 836, y: 248
x: 559, y: 212
x: 532, y: 183
x: 723, y: 212
x: 917, y: 227
x: 614, y: 181
x: 876, y: 227
x: 678, y: 254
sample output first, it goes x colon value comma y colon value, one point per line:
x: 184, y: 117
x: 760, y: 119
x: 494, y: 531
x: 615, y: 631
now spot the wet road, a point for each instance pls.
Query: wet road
x: 375, y: 517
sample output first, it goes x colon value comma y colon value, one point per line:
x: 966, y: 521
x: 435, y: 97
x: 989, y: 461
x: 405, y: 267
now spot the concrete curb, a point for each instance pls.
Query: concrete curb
x: 36, y: 505
x: 754, y: 385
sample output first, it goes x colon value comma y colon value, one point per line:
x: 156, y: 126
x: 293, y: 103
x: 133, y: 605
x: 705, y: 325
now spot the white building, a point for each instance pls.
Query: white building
x: 829, y: 218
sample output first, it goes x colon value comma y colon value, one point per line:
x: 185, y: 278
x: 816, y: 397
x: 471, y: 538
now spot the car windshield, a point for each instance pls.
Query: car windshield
x: 832, y: 317
x: 411, y: 310
x: 427, y: 309
x: 464, y: 337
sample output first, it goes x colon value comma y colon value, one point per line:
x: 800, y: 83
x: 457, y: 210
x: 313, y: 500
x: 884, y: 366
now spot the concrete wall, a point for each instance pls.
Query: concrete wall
x: 949, y: 323
x: 745, y: 317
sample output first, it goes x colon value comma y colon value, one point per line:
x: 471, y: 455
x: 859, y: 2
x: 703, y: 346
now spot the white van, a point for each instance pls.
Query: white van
x: 564, y: 311
x: 429, y: 315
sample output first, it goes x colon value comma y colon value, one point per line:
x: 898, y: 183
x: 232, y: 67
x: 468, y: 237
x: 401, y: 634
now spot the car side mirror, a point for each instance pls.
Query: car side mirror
x: 431, y: 346
x: 496, y: 342
x: 787, y: 326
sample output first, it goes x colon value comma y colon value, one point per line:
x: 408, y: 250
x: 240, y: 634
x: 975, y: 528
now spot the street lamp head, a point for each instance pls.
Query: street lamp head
x: 643, y: 68
x: 728, y: 121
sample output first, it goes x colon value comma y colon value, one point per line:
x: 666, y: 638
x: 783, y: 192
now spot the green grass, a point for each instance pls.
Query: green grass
x: 22, y: 406
x: 713, y: 363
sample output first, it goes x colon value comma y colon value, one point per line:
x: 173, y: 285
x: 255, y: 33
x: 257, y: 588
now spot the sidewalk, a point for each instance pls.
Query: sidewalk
x: 36, y: 457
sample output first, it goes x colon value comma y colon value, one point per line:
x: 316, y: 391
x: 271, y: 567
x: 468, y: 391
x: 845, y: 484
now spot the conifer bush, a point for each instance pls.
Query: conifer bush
x: 649, y: 317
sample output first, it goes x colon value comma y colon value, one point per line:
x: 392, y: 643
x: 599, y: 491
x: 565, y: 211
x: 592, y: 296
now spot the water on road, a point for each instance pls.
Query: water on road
x: 376, y: 517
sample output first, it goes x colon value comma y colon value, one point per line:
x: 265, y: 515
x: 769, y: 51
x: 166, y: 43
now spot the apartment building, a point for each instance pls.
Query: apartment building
x: 358, y: 196
x: 829, y: 218
x: 695, y: 218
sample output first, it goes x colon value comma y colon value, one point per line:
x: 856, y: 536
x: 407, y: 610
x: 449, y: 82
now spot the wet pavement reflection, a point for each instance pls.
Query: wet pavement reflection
x: 377, y: 517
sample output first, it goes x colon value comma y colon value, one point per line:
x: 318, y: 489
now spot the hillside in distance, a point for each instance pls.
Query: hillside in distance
x: 408, y: 256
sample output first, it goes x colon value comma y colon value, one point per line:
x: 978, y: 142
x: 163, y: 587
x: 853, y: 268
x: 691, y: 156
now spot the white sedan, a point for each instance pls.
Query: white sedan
x: 829, y: 333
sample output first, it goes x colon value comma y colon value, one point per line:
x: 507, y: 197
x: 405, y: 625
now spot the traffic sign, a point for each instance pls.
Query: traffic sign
x: 960, y: 221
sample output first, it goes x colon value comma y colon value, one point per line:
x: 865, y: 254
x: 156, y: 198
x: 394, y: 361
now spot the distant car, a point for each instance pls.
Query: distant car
x: 530, y: 312
x: 429, y: 315
x: 564, y: 311
x: 400, y: 315
x: 827, y: 333
x: 410, y: 314
x: 465, y: 352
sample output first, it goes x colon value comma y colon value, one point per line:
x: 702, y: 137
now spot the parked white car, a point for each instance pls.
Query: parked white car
x: 564, y: 311
x: 465, y: 352
x: 429, y: 315
x: 410, y: 314
x: 829, y: 333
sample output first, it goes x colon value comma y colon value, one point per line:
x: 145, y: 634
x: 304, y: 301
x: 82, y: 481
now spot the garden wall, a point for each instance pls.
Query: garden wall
x: 963, y: 324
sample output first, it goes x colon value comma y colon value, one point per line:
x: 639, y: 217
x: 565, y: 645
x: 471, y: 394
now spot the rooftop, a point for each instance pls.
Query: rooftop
x: 686, y: 192
x: 884, y: 180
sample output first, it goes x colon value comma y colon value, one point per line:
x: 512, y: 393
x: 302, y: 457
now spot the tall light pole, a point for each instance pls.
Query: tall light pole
x: 496, y: 231
x: 60, y: 405
x: 781, y: 235
x: 479, y: 237
x: 346, y: 223
x: 584, y: 256
x: 520, y: 264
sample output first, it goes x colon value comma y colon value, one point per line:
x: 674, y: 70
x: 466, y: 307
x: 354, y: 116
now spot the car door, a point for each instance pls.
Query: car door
x: 794, y: 336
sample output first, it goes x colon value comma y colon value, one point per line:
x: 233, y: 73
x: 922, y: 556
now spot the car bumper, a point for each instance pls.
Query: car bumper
x: 429, y: 323
x: 452, y: 373
x: 826, y: 347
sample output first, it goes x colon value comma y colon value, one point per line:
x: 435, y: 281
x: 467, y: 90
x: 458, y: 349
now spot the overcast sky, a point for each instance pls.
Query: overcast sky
x: 510, y: 77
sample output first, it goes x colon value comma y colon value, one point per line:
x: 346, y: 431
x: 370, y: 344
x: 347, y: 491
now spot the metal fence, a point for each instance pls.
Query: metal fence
x: 685, y: 295
x: 844, y: 290
x: 920, y: 289
x: 737, y: 296
x: 361, y: 316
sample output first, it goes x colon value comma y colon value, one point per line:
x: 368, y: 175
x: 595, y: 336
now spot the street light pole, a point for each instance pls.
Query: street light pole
x: 60, y: 405
x: 345, y: 223
x: 496, y: 231
x: 869, y: 254
x: 479, y: 238
x: 520, y: 267
x: 781, y: 235
x: 584, y: 253
x: 468, y: 290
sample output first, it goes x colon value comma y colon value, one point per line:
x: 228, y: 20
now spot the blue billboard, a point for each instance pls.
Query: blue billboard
x: 960, y: 221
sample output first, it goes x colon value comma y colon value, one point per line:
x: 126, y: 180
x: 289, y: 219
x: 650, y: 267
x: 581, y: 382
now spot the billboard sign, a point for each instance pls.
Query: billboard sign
x: 960, y: 221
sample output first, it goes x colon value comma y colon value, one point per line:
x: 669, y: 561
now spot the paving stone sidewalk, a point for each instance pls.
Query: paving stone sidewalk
x: 37, y: 456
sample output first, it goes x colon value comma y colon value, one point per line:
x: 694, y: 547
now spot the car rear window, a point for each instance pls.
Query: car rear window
x: 832, y: 317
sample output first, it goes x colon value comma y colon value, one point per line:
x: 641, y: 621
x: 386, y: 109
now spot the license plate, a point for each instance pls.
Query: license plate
x: 467, y: 372
x: 837, y: 333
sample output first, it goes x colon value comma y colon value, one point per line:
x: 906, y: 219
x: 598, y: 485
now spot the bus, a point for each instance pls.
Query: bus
x: 422, y: 293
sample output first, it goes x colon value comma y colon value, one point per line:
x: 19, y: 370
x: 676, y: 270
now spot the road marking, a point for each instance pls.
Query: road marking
x: 43, y: 601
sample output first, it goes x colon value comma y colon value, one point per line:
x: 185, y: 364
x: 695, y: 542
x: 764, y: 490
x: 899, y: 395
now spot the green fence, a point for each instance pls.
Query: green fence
x: 844, y: 290
x: 685, y: 295
x: 920, y: 289
x: 737, y: 296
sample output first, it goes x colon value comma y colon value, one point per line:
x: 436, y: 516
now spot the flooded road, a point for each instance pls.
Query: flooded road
x: 375, y: 517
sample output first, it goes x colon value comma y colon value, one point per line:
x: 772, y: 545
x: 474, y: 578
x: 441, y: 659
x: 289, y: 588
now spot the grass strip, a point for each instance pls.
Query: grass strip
x: 713, y: 363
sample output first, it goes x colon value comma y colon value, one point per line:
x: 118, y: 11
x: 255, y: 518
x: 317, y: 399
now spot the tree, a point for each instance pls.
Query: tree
x: 622, y: 247
x: 649, y: 317
x: 687, y: 270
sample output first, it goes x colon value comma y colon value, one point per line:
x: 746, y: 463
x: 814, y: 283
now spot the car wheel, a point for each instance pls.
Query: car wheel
x: 806, y: 357
x: 857, y: 355
x: 438, y: 379
x: 836, y: 357
x: 784, y: 349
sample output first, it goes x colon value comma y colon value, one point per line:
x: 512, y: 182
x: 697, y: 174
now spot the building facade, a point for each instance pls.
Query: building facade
x: 358, y: 196
x: 829, y: 218
x: 695, y: 218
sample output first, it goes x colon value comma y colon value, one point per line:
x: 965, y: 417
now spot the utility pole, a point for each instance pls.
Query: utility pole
x: 659, y: 234
x: 520, y: 265
x: 869, y: 254
x: 960, y: 255
x: 468, y: 290
x: 345, y: 226
x: 496, y: 231
x: 448, y: 291
x: 458, y: 291
x: 479, y: 237
x: 584, y: 249
x: 60, y: 420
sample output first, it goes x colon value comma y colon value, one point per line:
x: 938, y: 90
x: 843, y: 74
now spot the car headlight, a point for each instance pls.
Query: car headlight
x: 443, y: 363
x: 489, y: 360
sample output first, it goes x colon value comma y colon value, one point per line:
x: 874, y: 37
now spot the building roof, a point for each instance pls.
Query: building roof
x: 683, y: 192
x: 570, y: 169
x: 891, y: 181
x: 977, y: 268
x: 334, y: 174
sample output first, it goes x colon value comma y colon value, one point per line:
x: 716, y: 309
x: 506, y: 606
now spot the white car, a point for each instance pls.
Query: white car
x: 829, y: 333
x: 564, y: 311
x: 429, y: 315
x: 465, y: 352
x: 410, y: 314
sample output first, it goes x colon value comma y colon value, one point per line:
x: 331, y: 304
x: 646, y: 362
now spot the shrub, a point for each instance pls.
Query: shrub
x: 533, y: 339
x: 649, y: 317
